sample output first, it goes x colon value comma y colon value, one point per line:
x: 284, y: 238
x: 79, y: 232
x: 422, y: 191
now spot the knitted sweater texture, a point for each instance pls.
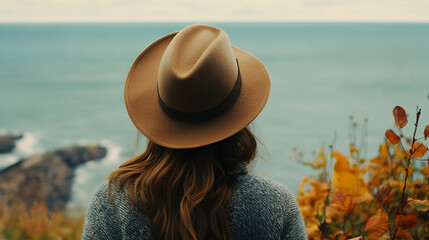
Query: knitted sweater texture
x: 259, y: 209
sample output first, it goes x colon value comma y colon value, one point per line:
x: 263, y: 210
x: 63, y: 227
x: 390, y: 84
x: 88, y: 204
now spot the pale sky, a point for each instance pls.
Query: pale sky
x: 213, y: 10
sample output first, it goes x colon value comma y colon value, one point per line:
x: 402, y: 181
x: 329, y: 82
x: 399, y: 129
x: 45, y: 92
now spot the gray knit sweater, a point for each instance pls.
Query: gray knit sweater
x: 259, y: 209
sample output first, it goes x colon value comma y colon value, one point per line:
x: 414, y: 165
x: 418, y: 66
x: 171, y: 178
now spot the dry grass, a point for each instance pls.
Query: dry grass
x: 38, y: 223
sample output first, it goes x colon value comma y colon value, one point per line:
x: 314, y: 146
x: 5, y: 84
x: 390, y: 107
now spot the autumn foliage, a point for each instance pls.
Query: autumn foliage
x: 17, y: 222
x: 385, y: 197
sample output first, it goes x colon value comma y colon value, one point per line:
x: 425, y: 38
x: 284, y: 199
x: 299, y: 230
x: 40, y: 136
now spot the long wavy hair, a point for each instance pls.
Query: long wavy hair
x: 185, y: 191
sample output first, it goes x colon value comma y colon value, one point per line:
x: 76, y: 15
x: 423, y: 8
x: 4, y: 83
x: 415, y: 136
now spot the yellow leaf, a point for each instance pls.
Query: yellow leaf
x: 349, y: 180
x: 342, y: 163
x: 383, y: 151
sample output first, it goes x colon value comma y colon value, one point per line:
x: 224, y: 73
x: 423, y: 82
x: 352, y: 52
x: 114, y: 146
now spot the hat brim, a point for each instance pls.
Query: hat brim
x: 141, y: 101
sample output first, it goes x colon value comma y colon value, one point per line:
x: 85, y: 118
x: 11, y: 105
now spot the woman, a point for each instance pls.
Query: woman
x: 193, y: 94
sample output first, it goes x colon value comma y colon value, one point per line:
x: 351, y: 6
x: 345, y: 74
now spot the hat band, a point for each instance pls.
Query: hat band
x: 199, y: 116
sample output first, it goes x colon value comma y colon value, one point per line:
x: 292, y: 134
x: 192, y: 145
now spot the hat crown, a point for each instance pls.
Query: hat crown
x: 198, y: 70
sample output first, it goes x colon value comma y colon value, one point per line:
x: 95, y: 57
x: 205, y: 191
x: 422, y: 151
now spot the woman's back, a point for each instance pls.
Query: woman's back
x: 193, y: 95
x: 258, y: 209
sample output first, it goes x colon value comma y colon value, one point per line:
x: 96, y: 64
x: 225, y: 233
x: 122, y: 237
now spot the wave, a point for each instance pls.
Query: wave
x: 91, y: 174
x: 28, y: 145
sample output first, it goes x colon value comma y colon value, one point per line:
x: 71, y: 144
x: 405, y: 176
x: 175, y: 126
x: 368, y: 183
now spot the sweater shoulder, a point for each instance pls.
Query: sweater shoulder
x: 260, y: 207
x: 119, y: 215
x: 101, y: 192
x: 101, y: 200
x: 251, y: 184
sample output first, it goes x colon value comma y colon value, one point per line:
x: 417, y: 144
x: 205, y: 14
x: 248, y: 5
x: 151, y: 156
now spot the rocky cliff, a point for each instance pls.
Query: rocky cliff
x: 46, y: 177
x: 7, y: 142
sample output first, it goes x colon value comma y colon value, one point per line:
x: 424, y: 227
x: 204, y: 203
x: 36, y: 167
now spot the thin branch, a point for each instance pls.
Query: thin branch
x: 331, y: 147
x: 402, y: 203
x: 409, y: 155
x: 326, y: 201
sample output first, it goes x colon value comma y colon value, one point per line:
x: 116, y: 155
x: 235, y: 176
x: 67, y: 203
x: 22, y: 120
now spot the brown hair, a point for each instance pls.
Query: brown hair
x: 185, y: 191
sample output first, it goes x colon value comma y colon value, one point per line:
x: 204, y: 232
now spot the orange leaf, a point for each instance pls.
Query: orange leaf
x: 403, y: 234
x: 302, y: 186
x: 383, y: 194
x: 406, y: 221
x: 354, y: 150
x: 393, y: 138
x: 377, y: 225
x: 426, y: 132
x: 343, y: 202
x: 419, y: 150
x: 419, y: 205
x: 400, y: 117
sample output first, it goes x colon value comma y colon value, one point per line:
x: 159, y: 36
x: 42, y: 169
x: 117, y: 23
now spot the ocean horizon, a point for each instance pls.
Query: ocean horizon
x: 61, y: 84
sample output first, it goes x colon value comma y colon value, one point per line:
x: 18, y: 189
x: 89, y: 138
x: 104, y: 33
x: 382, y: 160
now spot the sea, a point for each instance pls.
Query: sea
x: 61, y: 84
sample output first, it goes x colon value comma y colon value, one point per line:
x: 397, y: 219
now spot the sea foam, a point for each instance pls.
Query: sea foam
x: 27, y: 146
x: 91, y: 174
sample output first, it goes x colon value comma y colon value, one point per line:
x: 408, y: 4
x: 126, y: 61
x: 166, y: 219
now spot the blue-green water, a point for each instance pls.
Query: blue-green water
x: 62, y: 84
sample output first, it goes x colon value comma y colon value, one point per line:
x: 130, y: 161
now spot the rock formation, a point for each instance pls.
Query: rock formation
x: 46, y: 177
x: 7, y: 142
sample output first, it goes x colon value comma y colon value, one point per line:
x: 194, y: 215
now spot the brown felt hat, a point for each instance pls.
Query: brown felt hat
x: 192, y: 88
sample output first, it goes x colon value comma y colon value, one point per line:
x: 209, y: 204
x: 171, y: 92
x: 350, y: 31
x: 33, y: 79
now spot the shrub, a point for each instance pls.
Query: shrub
x: 380, y: 198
